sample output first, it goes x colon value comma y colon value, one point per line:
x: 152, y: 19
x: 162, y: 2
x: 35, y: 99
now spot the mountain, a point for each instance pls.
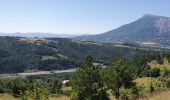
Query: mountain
x: 22, y: 54
x: 39, y: 35
x: 148, y: 28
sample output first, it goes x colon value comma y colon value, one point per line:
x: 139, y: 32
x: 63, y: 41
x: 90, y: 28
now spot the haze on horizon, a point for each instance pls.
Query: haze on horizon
x: 74, y: 16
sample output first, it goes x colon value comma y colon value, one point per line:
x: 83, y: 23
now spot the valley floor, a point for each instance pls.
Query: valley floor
x: 24, y: 74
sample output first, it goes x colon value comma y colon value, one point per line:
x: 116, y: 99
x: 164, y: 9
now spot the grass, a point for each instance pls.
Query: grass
x: 60, y: 98
x: 154, y: 64
x: 145, y: 84
x: 161, y: 92
x: 160, y: 95
x: 7, y: 97
x: 143, y: 81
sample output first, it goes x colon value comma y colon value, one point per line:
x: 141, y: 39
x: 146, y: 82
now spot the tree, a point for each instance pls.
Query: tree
x: 39, y: 91
x: 118, y: 75
x: 88, y: 83
x: 18, y: 87
x: 56, y: 87
x: 139, y: 66
x: 155, y: 72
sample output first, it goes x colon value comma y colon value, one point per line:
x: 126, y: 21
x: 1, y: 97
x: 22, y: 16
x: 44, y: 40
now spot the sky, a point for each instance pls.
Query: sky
x: 75, y: 16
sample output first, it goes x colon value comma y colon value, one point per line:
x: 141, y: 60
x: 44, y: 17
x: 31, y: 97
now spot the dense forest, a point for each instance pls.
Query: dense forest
x: 22, y: 54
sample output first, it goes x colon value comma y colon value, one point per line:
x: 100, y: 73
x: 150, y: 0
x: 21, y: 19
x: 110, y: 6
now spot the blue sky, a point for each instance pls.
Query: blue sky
x: 75, y: 16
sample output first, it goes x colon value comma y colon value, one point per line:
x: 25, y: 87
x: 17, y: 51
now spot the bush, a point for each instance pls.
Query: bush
x: 165, y: 72
x: 2, y: 90
x: 154, y: 72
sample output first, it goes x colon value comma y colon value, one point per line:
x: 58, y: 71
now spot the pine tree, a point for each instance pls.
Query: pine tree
x: 88, y: 83
x: 118, y: 75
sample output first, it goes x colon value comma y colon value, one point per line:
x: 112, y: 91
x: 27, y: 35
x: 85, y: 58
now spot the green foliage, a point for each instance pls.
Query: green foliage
x: 151, y: 87
x: 126, y: 94
x: 118, y: 75
x: 91, y: 82
x: 165, y: 72
x: 139, y: 66
x: 37, y: 89
x: 87, y: 83
x: 18, y: 87
x: 56, y: 87
x: 39, y: 92
x: 155, y: 72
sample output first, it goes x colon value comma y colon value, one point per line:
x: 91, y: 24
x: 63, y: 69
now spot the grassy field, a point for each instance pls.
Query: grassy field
x: 161, y: 92
x: 163, y: 95
x: 9, y: 97
x: 154, y: 64
x: 145, y: 83
x: 160, y: 95
x: 60, y: 98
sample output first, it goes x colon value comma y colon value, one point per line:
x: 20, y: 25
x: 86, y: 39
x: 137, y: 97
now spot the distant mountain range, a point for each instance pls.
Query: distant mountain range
x: 151, y: 28
x: 39, y: 35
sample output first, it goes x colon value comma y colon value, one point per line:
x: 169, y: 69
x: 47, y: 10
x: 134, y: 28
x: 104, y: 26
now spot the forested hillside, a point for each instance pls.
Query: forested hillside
x: 22, y: 54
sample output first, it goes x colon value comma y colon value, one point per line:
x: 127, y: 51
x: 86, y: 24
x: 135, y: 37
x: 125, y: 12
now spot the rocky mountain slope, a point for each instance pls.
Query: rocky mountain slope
x: 148, y: 28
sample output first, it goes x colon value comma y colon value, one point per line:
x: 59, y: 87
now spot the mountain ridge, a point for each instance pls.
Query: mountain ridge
x: 39, y: 35
x: 145, y: 28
